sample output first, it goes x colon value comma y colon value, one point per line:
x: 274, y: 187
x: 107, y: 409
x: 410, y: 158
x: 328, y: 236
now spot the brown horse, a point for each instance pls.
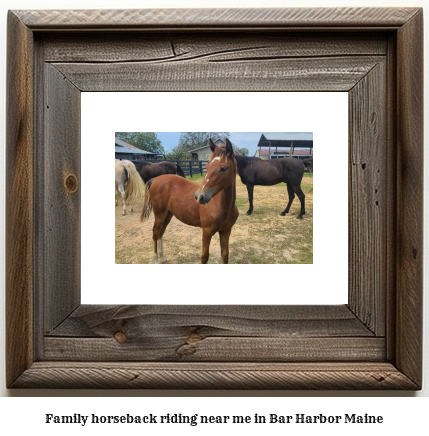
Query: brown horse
x: 254, y: 171
x: 150, y: 170
x: 210, y: 205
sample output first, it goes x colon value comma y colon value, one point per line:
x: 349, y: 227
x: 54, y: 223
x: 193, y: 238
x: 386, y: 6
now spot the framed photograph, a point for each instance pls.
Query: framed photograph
x: 58, y: 60
x: 261, y: 243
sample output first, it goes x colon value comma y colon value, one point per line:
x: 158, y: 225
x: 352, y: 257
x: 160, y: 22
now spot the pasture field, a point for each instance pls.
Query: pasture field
x: 265, y: 237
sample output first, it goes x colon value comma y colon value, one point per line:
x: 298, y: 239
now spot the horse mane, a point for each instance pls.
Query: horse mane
x: 243, y: 161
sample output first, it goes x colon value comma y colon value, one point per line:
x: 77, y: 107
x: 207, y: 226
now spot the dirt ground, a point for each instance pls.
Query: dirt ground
x: 264, y: 237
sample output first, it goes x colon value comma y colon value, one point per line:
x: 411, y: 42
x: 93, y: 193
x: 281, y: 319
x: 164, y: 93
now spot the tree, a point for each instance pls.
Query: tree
x: 192, y: 140
x: 147, y: 141
x: 242, y: 151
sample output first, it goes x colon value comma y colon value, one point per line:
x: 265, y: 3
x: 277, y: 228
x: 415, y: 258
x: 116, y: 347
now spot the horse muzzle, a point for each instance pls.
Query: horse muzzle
x: 203, y: 198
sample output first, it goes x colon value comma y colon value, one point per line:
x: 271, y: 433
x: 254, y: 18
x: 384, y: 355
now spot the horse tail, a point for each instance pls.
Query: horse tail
x: 126, y: 173
x: 147, y: 202
x: 180, y: 171
x: 135, y: 183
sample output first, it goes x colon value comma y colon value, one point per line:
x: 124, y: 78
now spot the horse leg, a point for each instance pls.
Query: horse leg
x: 158, y: 230
x: 301, y: 197
x: 250, y: 193
x: 207, y: 237
x: 155, y: 248
x: 124, y: 198
x: 160, y: 243
x: 224, y: 244
x: 291, y: 195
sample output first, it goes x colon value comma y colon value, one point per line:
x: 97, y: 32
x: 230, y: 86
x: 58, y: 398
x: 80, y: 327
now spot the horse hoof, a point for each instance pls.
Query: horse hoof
x: 164, y: 261
x: 283, y: 214
x: 248, y: 213
x: 299, y: 217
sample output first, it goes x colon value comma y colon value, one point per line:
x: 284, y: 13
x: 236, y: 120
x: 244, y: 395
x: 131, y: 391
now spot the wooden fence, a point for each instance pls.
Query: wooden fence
x: 191, y: 167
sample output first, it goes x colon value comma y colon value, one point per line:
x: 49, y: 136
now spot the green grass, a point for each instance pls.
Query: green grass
x: 242, y: 202
x: 196, y: 177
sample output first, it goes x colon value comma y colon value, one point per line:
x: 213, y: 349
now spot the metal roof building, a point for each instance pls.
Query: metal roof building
x: 123, y: 150
x: 203, y: 153
x: 285, y: 144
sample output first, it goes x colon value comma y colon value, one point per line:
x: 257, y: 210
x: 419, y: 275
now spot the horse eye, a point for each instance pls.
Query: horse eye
x: 223, y: 170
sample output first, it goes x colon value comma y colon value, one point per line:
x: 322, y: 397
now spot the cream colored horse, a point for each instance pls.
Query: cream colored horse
x: 128, y: 183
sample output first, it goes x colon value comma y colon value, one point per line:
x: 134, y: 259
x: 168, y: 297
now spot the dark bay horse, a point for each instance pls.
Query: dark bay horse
x: 309, y: 164
x: 210, y: 205
x: 150, y: 170
x: 254, y: 171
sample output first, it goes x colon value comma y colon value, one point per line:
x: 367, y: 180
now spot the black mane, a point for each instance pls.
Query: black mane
x: 243, y: 161
x: 141, y: 162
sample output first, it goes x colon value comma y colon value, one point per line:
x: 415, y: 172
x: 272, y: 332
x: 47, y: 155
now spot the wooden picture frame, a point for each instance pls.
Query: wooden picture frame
x: 373, y: 342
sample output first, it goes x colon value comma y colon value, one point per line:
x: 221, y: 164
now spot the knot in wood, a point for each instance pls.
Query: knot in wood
x: 71, y: 183
x: 120, y: 337
x: 193, y: 338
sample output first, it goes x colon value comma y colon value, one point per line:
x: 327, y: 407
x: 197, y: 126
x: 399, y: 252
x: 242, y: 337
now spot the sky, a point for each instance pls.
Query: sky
x: 247, y: 140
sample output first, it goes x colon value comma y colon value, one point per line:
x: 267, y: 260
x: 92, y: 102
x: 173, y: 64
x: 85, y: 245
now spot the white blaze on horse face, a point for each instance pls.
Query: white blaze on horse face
x: 207, y: 181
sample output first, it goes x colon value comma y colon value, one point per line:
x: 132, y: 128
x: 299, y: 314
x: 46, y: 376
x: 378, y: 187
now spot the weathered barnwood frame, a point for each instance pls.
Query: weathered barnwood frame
x: 373, y: 342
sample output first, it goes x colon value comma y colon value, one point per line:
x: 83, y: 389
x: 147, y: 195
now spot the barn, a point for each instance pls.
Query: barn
x: 278, y: 145
x: 203, y: 153
x: 123, y: 150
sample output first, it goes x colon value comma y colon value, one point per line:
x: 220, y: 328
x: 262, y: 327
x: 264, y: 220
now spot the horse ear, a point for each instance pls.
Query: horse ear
x: 229, y: 148
x: 212, y: 145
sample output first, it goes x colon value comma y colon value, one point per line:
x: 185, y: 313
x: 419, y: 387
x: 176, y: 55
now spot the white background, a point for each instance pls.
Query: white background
x: 404, y: 415
x: 323, y: 113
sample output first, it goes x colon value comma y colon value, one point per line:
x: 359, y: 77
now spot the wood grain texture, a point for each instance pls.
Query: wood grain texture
x: 99, y: 321
x: 330, y: 74
x: 215, y: 376
x: 170, y: 47
x: 410, y: 198
x: 40, y: 261
x: 213, y: 333
x: 367, y: 199
x: 19, y: 200
x: 189, y: 347
x: 153, y: 347
x: 391, y: 192
x: 207, y: 18
x: 61, y: 169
